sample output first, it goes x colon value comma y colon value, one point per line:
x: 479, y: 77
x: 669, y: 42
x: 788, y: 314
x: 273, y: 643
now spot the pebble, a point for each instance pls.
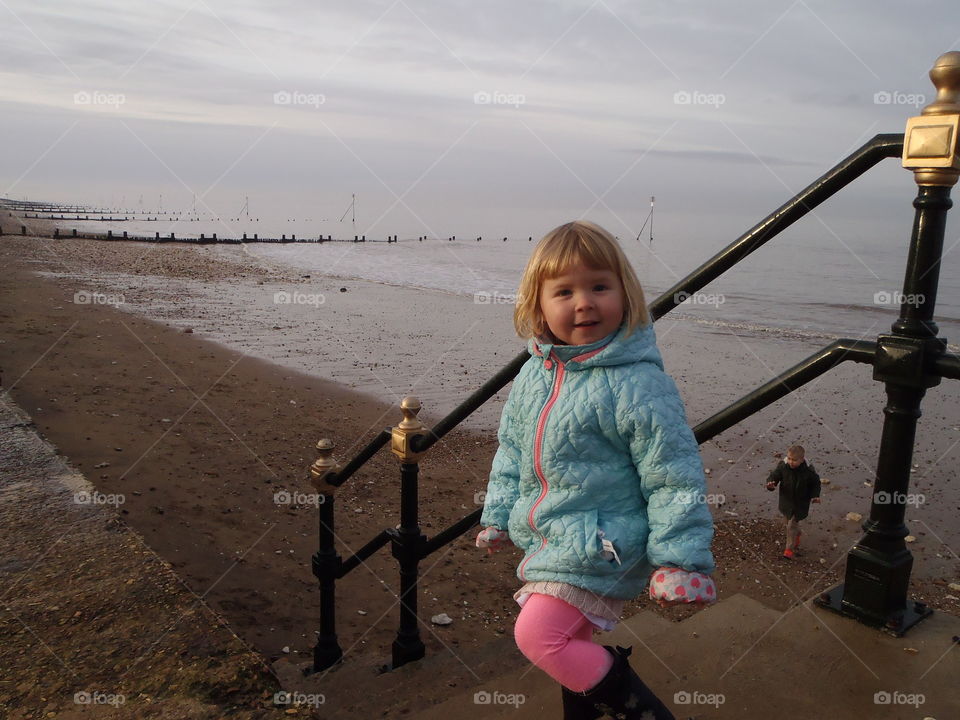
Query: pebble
x: 912, y: 651
x: 954, y: 586
x: 855, y: 517
x: 441, y: 619
x: 361, y: 612
x: 909, y: 538
x: 285, y: 649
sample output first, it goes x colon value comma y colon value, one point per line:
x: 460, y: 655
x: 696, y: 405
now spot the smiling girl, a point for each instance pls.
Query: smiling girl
x: 598, y: 477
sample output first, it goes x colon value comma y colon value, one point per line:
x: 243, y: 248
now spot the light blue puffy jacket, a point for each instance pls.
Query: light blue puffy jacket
x: 594, y: 445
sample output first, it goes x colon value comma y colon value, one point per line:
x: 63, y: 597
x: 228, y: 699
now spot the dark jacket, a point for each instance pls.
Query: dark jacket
x: 797, y: 486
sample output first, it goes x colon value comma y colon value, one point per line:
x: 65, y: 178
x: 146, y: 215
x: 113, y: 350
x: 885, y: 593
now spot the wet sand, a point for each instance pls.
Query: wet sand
x: 200, y: 435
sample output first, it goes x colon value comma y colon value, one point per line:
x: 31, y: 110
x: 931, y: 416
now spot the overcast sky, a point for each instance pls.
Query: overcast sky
x: 465, y: 117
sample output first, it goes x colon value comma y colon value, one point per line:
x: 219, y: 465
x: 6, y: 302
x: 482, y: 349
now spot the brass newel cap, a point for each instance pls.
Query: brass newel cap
x: 324, y: 464
x: 945, y: 75
x: 410, y: 407
x: 406, y: 430
x: 930, y: 140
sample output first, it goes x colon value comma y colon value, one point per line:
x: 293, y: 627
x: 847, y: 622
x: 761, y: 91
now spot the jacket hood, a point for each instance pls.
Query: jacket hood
x: 615, y: 349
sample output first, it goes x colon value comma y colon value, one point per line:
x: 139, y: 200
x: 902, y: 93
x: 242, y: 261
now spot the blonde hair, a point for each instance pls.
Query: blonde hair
x: 560, y: 249
x: 797, y: 451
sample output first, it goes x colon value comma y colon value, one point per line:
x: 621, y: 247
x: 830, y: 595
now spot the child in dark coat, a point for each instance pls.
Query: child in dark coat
x: 799, y: 486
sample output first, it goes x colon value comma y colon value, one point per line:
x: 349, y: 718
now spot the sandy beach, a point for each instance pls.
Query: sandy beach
x: 199, y: 396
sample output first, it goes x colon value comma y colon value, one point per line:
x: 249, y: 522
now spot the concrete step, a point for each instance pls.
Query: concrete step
x: 357, y: 688
x: 530, y: 692
x: 435, y: 684
x: 741, y: 659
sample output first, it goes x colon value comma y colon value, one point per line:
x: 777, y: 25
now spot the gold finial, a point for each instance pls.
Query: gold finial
x: 930, y: 140
x: 407, y: 429
x: 945, y: 75
x: 324, y: 465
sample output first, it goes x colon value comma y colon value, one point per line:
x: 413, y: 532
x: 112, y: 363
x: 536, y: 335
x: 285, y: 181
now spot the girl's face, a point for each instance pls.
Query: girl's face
x: 582, y: 305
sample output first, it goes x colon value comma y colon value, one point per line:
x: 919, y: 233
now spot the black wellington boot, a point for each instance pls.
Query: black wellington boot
x: 622, y: 694
x: 577, y: 706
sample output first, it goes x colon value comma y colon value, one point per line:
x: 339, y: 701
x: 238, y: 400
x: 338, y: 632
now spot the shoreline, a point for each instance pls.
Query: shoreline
x: 202, y: 494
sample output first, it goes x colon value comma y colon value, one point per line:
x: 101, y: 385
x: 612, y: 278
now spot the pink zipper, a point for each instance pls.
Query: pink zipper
x: 538, y: 444
x: 538, y: 456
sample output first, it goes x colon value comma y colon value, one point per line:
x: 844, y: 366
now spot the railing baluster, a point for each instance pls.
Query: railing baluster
x: 326, y: 563
x: 408, y: 540
x: 877, y: 577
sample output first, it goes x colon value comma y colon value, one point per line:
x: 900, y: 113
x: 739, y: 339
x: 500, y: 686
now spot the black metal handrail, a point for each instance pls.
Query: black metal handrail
x: 911, y: 356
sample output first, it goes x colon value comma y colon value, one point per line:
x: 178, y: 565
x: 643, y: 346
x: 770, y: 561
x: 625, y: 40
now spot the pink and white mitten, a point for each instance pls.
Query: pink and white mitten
x: 670, y: 584
x: 493, y: 539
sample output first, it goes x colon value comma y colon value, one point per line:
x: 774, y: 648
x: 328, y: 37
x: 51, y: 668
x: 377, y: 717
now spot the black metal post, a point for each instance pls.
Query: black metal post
x: 326, y: 567
x: 407, y: 545
x: 877, y: 576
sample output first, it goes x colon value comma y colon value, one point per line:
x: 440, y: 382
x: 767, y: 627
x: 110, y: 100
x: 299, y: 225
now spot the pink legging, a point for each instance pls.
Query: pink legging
x: 556, y: 637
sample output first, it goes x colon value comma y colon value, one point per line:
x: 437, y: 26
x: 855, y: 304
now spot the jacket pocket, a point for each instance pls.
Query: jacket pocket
x: 594, y: 537
x: 629, y: 535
